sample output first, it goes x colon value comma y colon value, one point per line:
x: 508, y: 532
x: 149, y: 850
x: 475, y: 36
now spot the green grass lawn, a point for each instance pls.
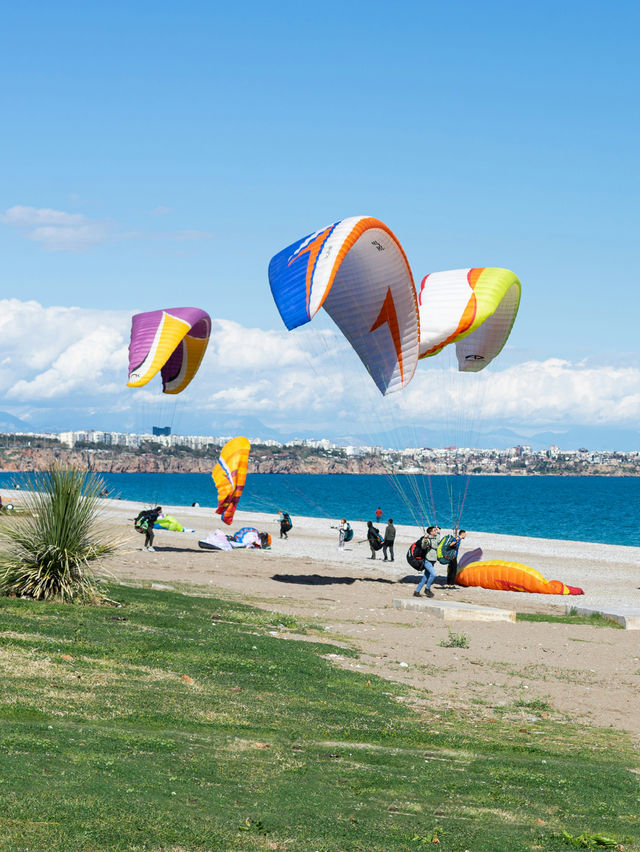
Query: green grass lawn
x: 180, y: 723
x: 593, y: 620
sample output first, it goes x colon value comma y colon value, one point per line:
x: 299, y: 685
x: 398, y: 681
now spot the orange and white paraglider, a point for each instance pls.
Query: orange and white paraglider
x: 358, y: 272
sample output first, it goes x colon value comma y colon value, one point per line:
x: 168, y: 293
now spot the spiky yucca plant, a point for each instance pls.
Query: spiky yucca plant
x: 47, y: 551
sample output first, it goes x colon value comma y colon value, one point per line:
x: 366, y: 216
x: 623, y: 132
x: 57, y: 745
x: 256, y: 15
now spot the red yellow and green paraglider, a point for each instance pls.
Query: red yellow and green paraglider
x: 473, y: 308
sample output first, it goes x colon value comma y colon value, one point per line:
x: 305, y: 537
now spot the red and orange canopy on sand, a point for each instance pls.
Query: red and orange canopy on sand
x: 511, y: 577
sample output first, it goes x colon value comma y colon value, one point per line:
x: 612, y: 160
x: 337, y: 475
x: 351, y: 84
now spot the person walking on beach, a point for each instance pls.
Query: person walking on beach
x: 144, y: 524
x: 374, y: 538
x: 422, y: 556
x: 285, y: 525
x: 378, y: 515
x: 389, y: 538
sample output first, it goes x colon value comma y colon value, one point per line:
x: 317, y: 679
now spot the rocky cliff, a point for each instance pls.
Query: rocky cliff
x: 108, y: 461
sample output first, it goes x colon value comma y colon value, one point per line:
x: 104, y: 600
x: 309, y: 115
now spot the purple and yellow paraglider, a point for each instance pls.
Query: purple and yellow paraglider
x: 172, y: 341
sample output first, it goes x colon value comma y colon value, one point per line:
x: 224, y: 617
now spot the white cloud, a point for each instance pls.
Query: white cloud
x: 58, y: 353
x: 80, y: 367
x: 558, y: 392
x: 28, y: 217
x: 56, y: 230
x: 73, y: 359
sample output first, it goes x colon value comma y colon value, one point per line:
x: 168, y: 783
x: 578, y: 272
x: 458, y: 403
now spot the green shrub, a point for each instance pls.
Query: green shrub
x: 455, y: 640
x: 47, y: 551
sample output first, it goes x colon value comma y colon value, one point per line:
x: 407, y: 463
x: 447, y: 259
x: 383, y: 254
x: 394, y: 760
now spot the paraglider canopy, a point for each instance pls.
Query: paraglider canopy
x: 357, y: 270
x: 511, y: 577
x: 473, y: 308
x: 229, y: 475
x: 173, y: 341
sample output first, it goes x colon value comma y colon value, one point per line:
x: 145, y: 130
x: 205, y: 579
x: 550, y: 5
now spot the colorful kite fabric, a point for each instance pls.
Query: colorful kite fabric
x: 173, y: 341
x: 357, y: 270
x: 168, y: 522
x: 216, y: 540
x: 247, y: 537
x: 229, y: 476
x: 473, y: 308
x: 511, y: 577
x: 469, y: 556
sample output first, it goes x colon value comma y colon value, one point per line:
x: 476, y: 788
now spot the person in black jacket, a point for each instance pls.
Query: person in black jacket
x: 285, y: 525
x: 144, y: 524
x: 373, y: 537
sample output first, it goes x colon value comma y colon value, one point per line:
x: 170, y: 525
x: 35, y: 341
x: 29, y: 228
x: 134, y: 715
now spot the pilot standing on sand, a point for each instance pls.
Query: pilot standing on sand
x: 389, y: 538
x: 144, y: 524
x: 342, y: 530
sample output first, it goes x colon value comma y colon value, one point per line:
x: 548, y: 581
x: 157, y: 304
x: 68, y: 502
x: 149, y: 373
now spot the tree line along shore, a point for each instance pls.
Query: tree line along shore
x: 150, y: 457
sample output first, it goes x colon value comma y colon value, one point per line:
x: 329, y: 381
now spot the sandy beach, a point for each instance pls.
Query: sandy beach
x: 608, y: 574
x: 586, y: 674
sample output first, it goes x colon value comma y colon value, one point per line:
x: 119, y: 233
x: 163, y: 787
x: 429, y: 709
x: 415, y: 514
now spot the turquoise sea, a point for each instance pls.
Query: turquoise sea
x: 579, y: 508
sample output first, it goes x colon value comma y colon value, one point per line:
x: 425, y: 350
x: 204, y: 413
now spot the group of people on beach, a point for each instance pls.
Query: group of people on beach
x: 422, y: 555
x: 381, y: 542
x: 430, y: 549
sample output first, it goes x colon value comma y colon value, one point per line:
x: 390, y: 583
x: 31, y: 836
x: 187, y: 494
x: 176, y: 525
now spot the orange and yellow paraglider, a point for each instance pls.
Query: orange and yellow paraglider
x: 229, y: 475
x: 511, y: 577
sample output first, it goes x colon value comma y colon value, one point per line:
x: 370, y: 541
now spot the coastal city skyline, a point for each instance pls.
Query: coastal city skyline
x: 163, y: 437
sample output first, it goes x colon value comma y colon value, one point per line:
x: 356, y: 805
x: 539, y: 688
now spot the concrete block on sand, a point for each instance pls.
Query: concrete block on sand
x: 163, y: 587
x: 452, y: 611
x: 627, y: 617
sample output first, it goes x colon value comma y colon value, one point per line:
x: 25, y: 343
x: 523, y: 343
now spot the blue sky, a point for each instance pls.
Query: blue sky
x: 181, y: 145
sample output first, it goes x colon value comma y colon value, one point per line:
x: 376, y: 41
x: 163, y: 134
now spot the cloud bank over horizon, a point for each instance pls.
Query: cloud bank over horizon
x: 66, y: 368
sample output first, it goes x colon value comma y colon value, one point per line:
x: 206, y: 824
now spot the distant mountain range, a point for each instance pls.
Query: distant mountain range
x: 195, y: 423
x: 9, y: 423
